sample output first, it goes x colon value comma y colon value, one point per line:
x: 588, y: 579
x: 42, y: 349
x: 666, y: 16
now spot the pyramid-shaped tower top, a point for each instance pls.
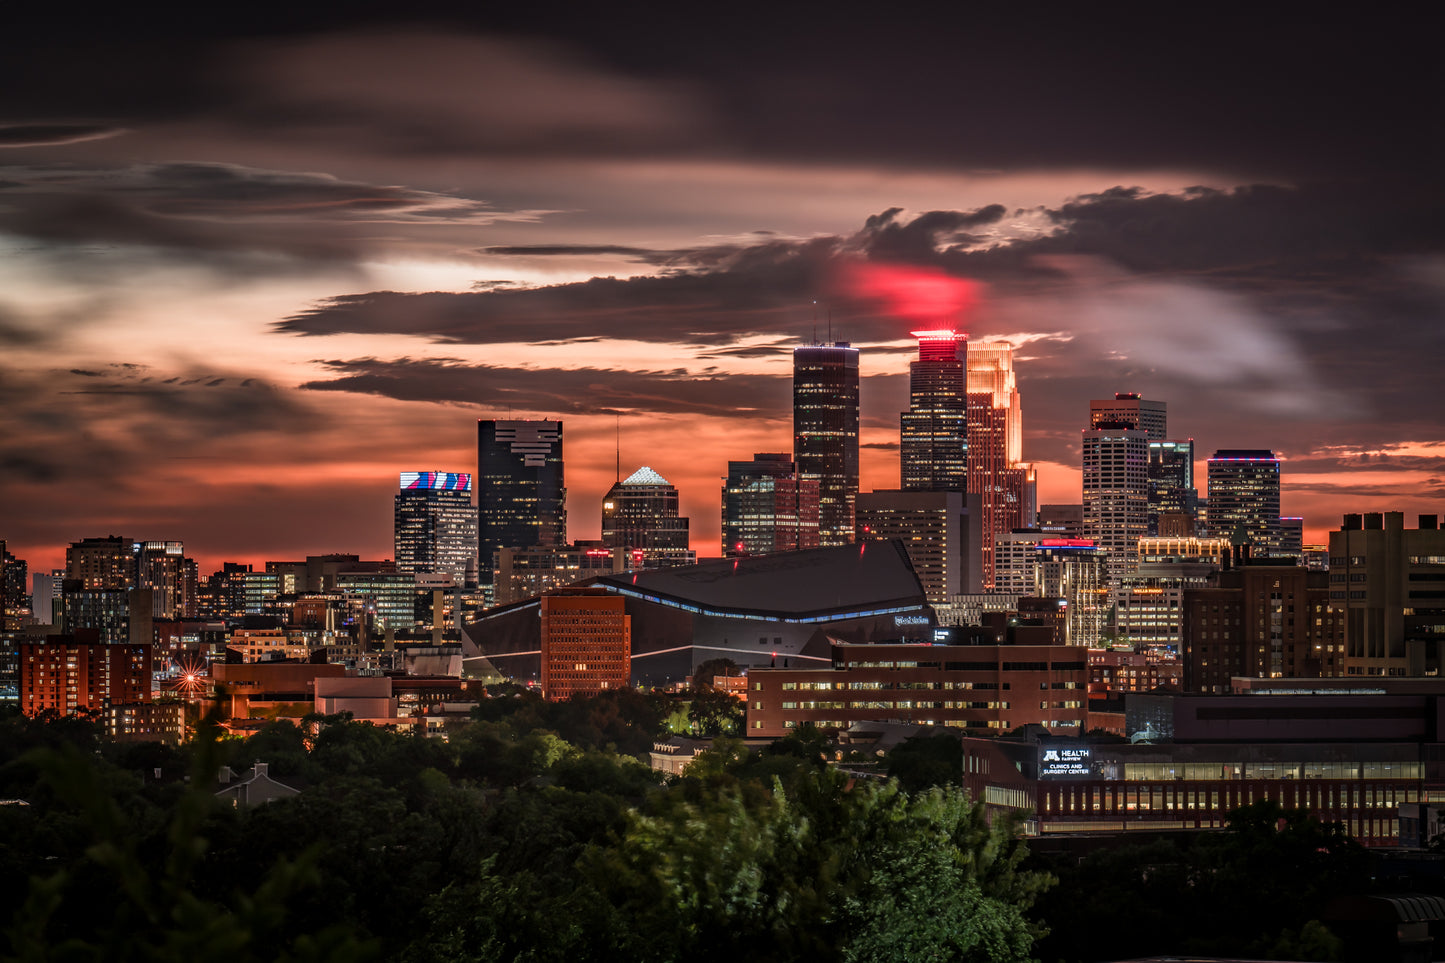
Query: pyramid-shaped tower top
x: 645, y: 476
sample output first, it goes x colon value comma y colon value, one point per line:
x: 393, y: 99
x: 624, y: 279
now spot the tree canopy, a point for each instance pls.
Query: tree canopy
x: 534, y: 832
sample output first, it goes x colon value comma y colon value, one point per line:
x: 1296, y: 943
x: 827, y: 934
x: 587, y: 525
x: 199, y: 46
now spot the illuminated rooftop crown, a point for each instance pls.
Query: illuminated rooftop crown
x: 645, y: 476
x: 939, y: 345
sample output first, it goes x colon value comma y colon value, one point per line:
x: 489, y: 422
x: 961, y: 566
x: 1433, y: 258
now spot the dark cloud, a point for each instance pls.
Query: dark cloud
x: 41, y: 135
x: 18, y: 334
x: 965, y: 87
x: 769, y: 350
x: 1249, y: 308
x: 225, y: 214
x: 1319, y: 242
x: 757, y: 290
x: 561, y: 390
x: 571, y: 250
x: 99, y: 427
x: 922, y: 238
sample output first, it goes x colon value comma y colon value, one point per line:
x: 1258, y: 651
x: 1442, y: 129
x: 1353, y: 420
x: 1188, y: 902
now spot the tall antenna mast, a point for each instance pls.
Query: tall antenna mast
x: 619, y: 449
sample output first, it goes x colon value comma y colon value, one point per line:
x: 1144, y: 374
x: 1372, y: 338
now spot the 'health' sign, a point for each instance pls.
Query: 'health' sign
x: 1059, y: 761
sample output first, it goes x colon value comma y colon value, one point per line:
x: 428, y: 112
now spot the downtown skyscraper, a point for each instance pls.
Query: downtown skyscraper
x: 933, y: 435
x: 640, y: 513
x: 1116, y: 475
x: 1172, y: 495
x: 1116, y: 493
x: 521, y: 491
x: 1244, y: 497
x: 1128, y: 409
x: 1005, y: 486
x: 825, y: 432
x: 435, y: 528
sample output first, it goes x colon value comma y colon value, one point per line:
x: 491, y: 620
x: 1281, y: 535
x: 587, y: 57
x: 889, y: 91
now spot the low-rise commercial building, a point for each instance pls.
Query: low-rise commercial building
x: 989, y: 688
x: 146, y: 722
x: 1348, y: 759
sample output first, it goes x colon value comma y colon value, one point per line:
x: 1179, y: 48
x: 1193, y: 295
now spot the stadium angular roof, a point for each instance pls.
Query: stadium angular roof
x: 811, y: 585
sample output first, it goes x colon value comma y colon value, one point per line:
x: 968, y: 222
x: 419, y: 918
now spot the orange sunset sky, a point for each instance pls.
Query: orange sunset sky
x: 249, y: 273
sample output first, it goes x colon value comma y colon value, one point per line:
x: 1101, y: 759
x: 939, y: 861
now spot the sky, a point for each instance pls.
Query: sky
x: 251, y: 271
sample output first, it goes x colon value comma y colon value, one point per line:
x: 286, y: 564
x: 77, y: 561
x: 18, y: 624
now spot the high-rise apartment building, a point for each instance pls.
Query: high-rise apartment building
x: 1171, y: 485
x: 102, y: 563
x: 934, y: 431
x: 641, y: 513
x: 1244, y: 497
x: 163, y: 568
x: 223, y: 595
x: 768, y: 507
x: 14, y: 599
x: 1016, y: 561
x: 116, y: 616
x: 1006, y: 487
x: 435, y: 526
x: 1264, y: 621
x: 1075, y: 570
x: 1389, y: 582
x: 521, y: 492
x: 940, y: 531
x: 1116, y: 493
x: 1129, y: 410
x: 70, y: 673
x: 1291, y: 538
x: 825, y: 432
x: 586, y: 642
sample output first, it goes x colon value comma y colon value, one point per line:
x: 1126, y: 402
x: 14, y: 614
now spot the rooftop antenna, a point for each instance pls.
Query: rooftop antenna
x: 815, y: 320
x: 830, y: 324
x: 619, y: 448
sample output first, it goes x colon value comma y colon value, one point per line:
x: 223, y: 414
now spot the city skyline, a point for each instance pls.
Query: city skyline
x: 252, y: 274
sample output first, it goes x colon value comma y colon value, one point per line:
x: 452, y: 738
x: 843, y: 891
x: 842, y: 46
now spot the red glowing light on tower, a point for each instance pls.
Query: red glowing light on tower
x: 924, y: 296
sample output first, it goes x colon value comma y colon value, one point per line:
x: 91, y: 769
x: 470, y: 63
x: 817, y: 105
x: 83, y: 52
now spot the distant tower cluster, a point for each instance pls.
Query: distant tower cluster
x: 825, y: 432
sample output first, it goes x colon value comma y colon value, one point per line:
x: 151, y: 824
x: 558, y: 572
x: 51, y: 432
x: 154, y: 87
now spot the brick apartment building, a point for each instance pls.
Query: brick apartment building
x: 1266, y: 621
x: 586, y: 642
x: 72, y: 673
